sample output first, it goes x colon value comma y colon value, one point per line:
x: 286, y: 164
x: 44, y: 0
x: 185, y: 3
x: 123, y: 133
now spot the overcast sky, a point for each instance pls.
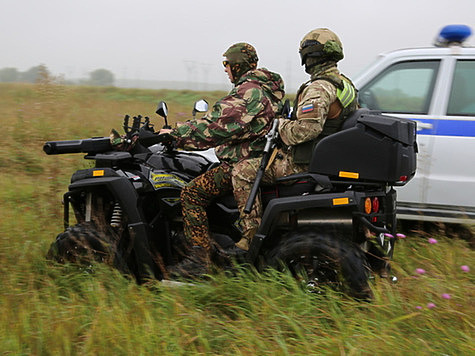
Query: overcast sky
x: 184, y: 39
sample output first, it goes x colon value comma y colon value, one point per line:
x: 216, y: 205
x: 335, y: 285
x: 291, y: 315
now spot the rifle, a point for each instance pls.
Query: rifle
x: 271, y: 137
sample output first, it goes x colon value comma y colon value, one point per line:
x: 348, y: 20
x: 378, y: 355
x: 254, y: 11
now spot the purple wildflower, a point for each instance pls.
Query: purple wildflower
x: 432, y: 241
x: 419, y: 307
x: 420, y: 271
x: 465, y: 268
x: 401, y: 236
x: 446, y: 296
x: 430, y: 305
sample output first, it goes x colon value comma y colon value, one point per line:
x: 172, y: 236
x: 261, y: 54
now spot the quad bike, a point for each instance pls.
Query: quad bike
x: 333, y: 225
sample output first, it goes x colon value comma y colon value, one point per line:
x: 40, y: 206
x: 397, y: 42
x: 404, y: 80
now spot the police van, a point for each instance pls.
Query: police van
x: 435, y: 87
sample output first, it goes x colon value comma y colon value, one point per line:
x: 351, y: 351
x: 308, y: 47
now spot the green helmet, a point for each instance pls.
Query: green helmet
x: 242, y: 57
x: 319, y: 46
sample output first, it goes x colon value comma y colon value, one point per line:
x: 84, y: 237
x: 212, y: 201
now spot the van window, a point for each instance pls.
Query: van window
x: 404, y: 87
x: 462, y: 93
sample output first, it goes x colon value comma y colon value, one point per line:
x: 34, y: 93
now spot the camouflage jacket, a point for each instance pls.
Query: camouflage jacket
x: 313, y: 104
x: 236, y: 124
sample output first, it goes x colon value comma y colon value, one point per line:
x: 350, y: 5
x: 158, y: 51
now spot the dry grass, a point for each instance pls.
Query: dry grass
x: 47, y: 309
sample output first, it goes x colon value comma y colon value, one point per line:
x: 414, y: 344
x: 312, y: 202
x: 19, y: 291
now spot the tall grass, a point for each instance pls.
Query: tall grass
x: 64, y: 310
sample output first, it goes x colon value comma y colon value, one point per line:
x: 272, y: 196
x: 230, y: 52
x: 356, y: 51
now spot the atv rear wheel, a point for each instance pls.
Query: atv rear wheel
x: 323, y: 259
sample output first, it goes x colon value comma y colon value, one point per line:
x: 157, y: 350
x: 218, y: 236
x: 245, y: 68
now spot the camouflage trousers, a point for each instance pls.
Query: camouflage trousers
x: 239, y: 178
x: 243, y: 176
x: 195, y: 198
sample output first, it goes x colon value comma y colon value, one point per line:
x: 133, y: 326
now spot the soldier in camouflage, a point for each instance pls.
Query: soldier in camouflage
x: 321, y: 106
x: 235, y: 126
x: 324, y: 102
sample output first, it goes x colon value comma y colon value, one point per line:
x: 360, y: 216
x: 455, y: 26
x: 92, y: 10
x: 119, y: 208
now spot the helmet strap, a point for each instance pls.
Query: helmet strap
x: 319, y: 67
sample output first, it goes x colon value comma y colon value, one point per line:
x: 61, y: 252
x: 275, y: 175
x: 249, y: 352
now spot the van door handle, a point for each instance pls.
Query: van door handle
x: 423, y: 126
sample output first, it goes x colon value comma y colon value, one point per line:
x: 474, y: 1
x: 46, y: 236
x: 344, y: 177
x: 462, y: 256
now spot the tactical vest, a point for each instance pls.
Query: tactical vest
x: 346, y: 96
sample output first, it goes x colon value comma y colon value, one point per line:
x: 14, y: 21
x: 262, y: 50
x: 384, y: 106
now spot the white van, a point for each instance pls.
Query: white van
x: 434, y: 86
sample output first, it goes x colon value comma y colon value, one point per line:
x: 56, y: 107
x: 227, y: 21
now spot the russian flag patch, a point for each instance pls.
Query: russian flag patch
x: 307, y: 108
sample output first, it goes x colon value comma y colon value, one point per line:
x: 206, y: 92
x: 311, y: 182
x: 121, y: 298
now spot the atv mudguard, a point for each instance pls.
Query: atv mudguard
x: 125, y: 193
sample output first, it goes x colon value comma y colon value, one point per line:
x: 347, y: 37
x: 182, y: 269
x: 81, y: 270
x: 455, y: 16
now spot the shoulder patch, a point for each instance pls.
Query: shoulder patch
x: 307, y: 108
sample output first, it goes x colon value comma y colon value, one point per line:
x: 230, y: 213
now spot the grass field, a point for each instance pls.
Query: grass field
x: 62, y: 310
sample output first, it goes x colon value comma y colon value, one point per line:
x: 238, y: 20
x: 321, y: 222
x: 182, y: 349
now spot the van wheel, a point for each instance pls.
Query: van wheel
x: 321, y: 259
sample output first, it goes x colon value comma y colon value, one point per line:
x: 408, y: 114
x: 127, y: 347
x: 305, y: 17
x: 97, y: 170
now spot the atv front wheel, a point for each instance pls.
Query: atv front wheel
x: 323, y: 259
x: 84, y: 244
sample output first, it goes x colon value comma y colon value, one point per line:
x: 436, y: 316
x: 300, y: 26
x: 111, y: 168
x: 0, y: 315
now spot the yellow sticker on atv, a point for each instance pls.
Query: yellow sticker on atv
x: 341, y: 201
x: 161, y: 180
x: 98, y: 173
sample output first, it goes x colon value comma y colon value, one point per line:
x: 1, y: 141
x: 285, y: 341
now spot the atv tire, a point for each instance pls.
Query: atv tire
x: 84, y: 244
x: 323, y: 259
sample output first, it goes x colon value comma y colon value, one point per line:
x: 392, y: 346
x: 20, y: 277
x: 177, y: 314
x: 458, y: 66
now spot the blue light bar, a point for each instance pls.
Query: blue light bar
x: 454, y: 33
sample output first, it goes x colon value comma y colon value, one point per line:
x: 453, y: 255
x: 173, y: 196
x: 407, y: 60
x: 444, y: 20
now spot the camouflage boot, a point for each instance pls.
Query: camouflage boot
x: 246, y: 239
x: 195, y: 265
x: 243, y: 244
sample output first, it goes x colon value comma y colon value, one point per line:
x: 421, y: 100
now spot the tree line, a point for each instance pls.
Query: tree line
x: 98, y: 77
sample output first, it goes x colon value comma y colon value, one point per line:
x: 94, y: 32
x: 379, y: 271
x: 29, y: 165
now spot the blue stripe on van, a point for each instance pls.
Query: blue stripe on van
x: 463, y: 128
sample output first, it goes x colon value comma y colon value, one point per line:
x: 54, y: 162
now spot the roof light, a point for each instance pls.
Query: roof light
x: 453, y: 34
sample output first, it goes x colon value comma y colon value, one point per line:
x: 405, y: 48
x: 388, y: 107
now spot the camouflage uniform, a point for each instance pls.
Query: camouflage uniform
x: 235, y: 127
x: 320, y: 107
x: 237, y: 123
x: 196, y: 196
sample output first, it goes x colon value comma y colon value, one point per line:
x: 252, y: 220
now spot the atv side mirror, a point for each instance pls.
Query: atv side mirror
x: 162, y: 109
x: 200, y: 106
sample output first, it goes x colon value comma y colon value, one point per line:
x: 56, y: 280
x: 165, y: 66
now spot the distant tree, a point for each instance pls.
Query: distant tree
x: 34, y: 74
x: 101, y: 77
x: 9, y: 75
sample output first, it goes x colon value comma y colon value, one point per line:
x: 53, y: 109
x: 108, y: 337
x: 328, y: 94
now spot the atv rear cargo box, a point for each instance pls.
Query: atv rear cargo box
x: 371, y: 147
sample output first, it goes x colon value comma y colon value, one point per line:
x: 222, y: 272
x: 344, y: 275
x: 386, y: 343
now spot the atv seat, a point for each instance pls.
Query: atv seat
x: 299, y: 187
